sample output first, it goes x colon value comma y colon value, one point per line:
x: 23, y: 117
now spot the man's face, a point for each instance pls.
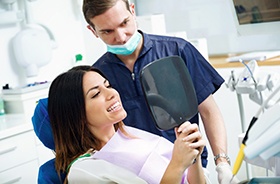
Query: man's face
x: 116, y: 25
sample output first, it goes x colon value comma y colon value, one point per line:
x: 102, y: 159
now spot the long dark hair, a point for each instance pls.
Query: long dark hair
x: 66, y: 108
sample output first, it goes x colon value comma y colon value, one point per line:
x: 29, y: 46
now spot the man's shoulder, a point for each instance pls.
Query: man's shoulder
x: 161, y: 41
x: 156, y: 37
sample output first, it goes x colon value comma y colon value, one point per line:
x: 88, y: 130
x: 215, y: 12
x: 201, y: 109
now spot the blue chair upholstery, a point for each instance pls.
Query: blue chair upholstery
x: 48, y: 175
x: 41, y: 124
x: 42, y: 128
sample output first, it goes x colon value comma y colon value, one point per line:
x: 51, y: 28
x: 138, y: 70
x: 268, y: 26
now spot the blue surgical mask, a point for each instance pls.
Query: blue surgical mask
x: 127, y: 48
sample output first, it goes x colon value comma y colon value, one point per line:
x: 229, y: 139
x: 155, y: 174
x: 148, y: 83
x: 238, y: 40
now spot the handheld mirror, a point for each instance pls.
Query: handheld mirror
x: 169, y: 92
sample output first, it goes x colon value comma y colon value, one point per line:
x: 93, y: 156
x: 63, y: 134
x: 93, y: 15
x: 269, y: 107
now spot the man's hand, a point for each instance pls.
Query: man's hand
x: 225, y: 175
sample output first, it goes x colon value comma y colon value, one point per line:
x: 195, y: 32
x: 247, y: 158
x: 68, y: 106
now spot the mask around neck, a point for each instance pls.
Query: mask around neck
x: 127, y: 48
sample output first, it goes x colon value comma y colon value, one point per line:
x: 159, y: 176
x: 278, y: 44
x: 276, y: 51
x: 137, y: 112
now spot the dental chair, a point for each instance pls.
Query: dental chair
x: 42, y: 128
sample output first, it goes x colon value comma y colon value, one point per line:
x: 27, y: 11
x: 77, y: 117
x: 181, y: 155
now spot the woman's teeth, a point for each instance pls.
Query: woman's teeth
x: 114, y: 107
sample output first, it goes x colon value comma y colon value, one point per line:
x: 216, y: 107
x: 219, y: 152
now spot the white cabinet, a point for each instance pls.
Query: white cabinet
x: 17, y: 150
x: 21, y: 152
x: 26, y: 173
x: 18, y: 158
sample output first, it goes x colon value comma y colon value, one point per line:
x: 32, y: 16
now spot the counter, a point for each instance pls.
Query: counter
x: 13, y: 124
x: 219, y: 61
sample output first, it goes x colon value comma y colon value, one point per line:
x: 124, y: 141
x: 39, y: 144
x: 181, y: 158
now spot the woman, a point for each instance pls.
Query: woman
x: 93, y: 145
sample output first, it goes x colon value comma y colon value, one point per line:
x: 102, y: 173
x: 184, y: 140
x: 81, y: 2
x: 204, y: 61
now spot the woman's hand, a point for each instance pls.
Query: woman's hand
x: 188, y: 145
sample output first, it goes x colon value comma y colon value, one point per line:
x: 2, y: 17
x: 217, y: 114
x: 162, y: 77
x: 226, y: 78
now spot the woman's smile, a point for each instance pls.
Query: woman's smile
x: 115, y: 107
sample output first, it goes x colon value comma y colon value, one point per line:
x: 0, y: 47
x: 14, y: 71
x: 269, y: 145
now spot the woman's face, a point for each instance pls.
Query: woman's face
x: 103, y: 104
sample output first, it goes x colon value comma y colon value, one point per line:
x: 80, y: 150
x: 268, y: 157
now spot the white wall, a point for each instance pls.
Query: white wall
x: 64, y: 18
x: 209, y: 19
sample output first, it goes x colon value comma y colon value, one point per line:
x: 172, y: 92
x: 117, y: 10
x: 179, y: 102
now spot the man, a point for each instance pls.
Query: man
x: 129, y: 50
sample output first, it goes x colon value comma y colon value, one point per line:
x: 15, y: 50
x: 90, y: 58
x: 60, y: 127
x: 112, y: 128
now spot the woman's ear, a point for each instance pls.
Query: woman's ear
x: 92, y: 30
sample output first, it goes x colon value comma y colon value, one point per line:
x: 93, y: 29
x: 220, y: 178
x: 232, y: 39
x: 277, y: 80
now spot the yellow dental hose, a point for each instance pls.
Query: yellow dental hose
x: 240, y: 155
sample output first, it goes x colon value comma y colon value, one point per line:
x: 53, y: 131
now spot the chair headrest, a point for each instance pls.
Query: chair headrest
x: 41, y: 124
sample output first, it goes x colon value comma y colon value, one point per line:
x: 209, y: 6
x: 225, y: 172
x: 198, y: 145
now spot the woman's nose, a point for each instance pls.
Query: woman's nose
x: 110, y: 93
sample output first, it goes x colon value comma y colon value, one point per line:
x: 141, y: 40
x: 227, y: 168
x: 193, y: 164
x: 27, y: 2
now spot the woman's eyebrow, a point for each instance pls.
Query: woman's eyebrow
x: 95, y: 87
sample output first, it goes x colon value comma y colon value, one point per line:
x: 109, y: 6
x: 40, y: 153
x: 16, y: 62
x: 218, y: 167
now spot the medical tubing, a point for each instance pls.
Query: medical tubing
x: 255, y: 82
x: 254, y: 119
x: 240, y: 155
x: 250, y: 71
x: 239, y: 160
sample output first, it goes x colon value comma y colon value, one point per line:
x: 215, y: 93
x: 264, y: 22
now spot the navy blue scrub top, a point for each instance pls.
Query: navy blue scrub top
x: 205, y: 78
